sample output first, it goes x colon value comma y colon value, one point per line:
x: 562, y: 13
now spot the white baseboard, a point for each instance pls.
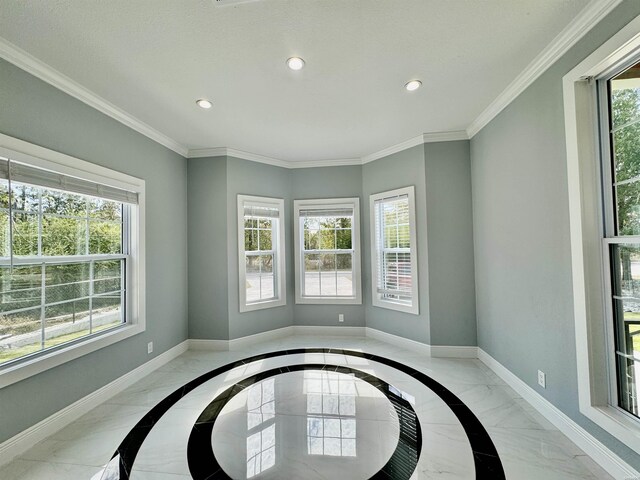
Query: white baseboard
x: 399, y: 341
x: 452, y: 351
x: 215, y: 345
x: 242, y: 342
x: 607, y: 459
x: 26, y: 439
x: 331, y: 331
x: 249, y: 340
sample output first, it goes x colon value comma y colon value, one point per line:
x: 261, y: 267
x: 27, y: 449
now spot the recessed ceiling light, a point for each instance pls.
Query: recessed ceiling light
x: 204, y: 103
x: 413, y: 85
x: 295, y: 63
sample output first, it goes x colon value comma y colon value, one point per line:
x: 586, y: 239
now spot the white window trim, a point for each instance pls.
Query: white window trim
x: 376, y: 300
x: 355, y: 243
x: 281, y: 272
x: 136, y: 280
x: 593, y: 344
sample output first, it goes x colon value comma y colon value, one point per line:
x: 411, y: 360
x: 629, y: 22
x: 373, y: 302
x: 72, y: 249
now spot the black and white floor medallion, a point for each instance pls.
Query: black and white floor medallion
x: 302, y: 413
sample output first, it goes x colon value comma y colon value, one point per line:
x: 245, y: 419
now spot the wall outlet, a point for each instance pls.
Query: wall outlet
x: 149, y: 347
x: 542, y: 379
x: 341, y: 317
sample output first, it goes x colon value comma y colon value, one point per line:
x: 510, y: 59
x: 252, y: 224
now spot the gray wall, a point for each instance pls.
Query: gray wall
x: 208, y: 248
x: 39, y: 113
x: 521, y: 233
x: 450, y: 229
x: 329, y: 182
x: 395, y: 171
x: 251, y: 178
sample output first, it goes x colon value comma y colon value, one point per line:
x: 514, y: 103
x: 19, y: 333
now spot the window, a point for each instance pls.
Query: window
x: 603, y: 211
x: 393, y: 250
x: 261, y: 252
x: 620, y: 127
x: 327, y: 256
x: 70, y: 259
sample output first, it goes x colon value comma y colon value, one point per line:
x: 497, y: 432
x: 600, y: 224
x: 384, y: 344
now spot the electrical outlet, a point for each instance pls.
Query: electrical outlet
x: 542, y: 379
x: 149, y: 347
x: 341, y: 317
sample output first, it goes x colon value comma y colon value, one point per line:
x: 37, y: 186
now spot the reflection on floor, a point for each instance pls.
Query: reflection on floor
x: 310, y: 421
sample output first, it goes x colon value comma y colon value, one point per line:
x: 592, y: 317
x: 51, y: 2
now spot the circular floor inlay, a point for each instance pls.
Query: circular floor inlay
x: 306, y: 424
x: 302, y: 421
x: 202, y: 463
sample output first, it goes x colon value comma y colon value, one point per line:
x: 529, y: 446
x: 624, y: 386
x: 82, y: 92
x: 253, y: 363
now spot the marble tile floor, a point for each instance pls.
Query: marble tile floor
x: 310, y: 423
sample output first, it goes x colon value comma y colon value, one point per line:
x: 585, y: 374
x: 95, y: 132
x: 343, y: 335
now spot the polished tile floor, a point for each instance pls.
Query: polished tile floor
x: 311, y: 414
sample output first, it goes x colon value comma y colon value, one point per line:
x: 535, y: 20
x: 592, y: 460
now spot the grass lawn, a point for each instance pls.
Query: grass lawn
x: 6, y: 355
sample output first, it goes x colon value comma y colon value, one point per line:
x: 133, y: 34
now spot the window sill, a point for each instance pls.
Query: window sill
x: 622, y: 426
x: 262, y: 305
x: 28, y: 368
x: 327, y: 301
x: 412, y: 309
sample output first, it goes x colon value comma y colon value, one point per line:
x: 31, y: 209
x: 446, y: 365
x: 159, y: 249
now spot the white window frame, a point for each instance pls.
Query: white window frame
x: 135, y: 314
x: 354, y: 203
x: 279, y: 270
x: 594, y: 342
x: 376, y: 297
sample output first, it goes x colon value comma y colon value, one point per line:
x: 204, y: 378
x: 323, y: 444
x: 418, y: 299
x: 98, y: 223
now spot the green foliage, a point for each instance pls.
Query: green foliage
x: 70, y: 225
x: 327, y: 233
x: 625, y: 107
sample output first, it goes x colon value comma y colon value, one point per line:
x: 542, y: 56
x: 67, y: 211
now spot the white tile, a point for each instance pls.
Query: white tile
x: 34, y: 470
x: 529, y: 446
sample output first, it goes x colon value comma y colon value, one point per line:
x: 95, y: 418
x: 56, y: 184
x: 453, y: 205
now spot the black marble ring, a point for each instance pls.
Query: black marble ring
x: 204, y: 465
x: 485, y: 456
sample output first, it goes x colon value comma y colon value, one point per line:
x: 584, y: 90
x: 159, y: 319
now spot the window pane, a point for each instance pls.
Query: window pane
x: 105, y: 209
x: 20, y: 289
x: 328, y: 277
x: 311, y: 239
x: 391, y: 237
x: 625, y: 264
x: 25, y: 234
x: 66, y: 282
x: 105, y: 237
x: 267, y: 280
x: 327, y: 239
x: 66, y: 322
x: 107, y: 311
x: 252, y: 266
x: 25, y: 198
x: 345, y: 274
x: 64, y: 236
x: 343, y: 239
x: 250, y: 240
x: 265, y: 239
x: 20, y: 334
x: 312, y: 274
x: 628, y: 208
x: 61, y: 203
x: 107, y: 276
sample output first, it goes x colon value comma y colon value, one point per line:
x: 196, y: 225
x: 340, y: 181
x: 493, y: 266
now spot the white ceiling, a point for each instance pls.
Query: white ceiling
x: 154, y: 58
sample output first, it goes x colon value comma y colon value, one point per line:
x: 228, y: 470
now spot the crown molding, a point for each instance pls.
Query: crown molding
x: 451, y: 136
x: 398, y: 147
x: 41, y: 70
x: 253, y: 157
x: 207, y: 152
x: 339, y: 162
x: 588, y: 18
